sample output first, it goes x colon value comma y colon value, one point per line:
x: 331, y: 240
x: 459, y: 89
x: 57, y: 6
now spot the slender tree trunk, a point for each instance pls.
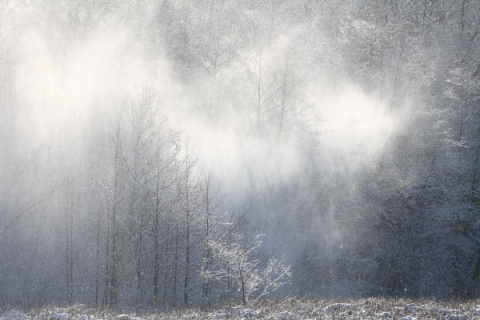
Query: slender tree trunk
x: 175, y: 265
x: 187, y: 256
x: 106, y: 289
x: 156, y: 260
x: 229, y: 284
x: 187, y: 230
x: 242, y: 286
x: 113, y: 270
x: 187, y: 265
x: 114, y: 260
x: 166, y: 279
x: 476, y: 275
x: 207, y: 251
x: 68, y: 207
x: 139, y: 262
x: 97, y: 264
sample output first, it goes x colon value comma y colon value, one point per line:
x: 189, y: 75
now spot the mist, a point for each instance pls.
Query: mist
x: 140, y: 141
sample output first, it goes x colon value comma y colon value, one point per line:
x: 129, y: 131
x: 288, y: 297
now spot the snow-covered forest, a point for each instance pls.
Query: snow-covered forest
x: 162, y: 154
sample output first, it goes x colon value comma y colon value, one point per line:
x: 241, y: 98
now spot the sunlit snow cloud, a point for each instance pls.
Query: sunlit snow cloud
x: 62, y: 83
x: 353, y: 123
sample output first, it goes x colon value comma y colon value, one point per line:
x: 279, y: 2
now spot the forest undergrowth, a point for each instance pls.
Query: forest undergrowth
x: 284, y: 309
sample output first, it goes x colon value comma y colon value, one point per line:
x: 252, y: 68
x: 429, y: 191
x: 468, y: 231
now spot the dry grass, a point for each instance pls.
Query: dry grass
x: 285, y: 309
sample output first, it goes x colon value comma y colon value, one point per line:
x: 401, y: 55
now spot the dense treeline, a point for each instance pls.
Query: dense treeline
x: 158, y: 154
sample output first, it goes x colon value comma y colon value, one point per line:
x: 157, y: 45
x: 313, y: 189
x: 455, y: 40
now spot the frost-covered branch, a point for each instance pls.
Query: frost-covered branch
x: 236, y: 264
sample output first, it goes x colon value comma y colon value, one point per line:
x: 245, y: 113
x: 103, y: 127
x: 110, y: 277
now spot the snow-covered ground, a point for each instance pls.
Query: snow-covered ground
x: 287, y: 309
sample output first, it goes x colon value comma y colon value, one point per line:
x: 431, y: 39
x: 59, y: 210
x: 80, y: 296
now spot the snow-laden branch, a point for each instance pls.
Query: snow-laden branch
x: 244, y: 272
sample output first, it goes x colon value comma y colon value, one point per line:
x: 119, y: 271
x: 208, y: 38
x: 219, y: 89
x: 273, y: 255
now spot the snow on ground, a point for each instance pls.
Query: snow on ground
x: 287, y: 309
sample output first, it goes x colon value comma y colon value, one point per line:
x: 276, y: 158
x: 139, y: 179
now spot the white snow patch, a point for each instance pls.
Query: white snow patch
x: 337, y: 307
x: 300, y: 306
x: 14, y: 315
x: 477, y: 311
x: 411, y: 308
x: 232, y: 311
x: 286, y: 315
x: 249, y: 314
x: 220, y: 316
x: 58, y: 316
